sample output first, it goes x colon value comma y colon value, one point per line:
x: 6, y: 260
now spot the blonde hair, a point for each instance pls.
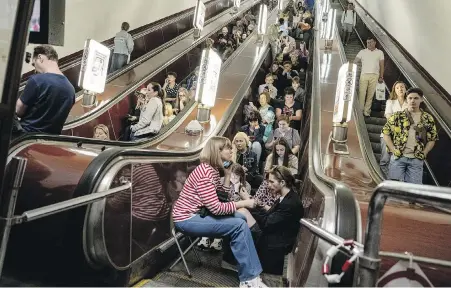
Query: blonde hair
x: 234, y: 150
x: 104, y: 128
x: 393, y: 95
x: 211, y: 152
x: 168, y: 107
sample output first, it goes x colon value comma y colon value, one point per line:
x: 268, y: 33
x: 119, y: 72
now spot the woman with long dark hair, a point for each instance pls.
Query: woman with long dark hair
x: 275, y: 228
x: 152, y: 115
x: 282, y: 156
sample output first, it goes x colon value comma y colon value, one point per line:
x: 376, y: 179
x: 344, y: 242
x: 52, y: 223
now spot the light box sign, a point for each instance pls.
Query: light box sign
x: 237, y: 3
x: 262, y: 19
x: 344, y: 95
x: 199, y: 18
x: 207, y: 84
x: 94, y: 66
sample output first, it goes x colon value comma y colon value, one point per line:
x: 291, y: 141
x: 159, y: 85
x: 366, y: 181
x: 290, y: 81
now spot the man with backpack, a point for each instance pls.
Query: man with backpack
x: 348, y: 20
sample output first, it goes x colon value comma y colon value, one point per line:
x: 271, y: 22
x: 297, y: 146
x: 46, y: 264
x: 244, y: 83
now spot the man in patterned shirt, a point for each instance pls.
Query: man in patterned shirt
x: 410, y: 135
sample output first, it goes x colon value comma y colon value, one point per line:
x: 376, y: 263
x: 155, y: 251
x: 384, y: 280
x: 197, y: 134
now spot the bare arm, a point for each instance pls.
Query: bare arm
x: 428, y: 148
x: 20, y: 108
x: 389, y: 142
x: 381, y: 68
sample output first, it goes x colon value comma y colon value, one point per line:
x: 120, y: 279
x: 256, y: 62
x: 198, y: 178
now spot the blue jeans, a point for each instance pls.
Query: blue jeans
x: 405, y: 169
x: 117, y: 62
x: 385, y: 158
x: 233, y: 227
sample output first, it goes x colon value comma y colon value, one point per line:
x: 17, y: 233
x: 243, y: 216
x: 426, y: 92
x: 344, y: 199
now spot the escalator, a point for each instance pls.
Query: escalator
x: 97, y: 245
x: 118, y: 98
x: 435, y: 101
x: 149, y: 40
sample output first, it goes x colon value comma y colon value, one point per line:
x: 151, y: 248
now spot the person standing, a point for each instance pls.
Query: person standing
x: 123, y: 47
x: 372, y: 72
x: 348, y: 20
x: 410, y: 135
x: 48, y: 96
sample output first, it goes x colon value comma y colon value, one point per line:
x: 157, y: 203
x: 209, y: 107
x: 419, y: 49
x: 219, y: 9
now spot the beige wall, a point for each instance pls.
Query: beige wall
x: 101, y: 19
x: 422, y: 27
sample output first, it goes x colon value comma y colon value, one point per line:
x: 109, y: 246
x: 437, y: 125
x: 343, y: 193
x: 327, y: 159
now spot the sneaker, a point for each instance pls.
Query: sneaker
x: 216, y: 244
x: 227, y: 266
x: 256, y: 282
x: 204, y: 243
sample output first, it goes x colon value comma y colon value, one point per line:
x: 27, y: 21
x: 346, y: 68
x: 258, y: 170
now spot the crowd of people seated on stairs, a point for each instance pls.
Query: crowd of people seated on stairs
x: 252, y: 212
x: 175, y: 96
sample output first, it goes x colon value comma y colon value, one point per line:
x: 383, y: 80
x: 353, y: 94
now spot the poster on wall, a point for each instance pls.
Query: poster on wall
x: 94, y: 66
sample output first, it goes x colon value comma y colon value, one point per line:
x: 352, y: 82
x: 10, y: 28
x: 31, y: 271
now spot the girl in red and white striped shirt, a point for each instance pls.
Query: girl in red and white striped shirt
x: 199, y: 191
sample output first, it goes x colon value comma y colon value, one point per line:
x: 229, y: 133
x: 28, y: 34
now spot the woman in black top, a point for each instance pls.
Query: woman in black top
x: 275, y: 228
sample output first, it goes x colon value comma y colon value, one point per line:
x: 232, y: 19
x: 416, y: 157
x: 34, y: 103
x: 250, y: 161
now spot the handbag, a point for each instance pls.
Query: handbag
x: 380, y: 91
x: 222, y: 196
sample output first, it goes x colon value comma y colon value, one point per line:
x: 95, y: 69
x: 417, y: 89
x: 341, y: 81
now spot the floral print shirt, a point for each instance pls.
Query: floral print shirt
x: 398, y: 126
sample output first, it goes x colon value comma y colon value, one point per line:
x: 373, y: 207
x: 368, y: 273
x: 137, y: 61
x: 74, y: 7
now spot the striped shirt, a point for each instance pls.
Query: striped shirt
x: 200, y: 190
x: 148, y: 200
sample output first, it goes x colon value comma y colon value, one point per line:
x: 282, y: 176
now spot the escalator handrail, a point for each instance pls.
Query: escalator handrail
x: 445, y: 126
x: 400, y: 190
x: 164, y: 23
x: 91, y: 115
x: 341, y: 216
x: 368, y: 155
x: 102, y: 166
x: 365, y: 143
x: 36, y: 137
x: 138, y: 61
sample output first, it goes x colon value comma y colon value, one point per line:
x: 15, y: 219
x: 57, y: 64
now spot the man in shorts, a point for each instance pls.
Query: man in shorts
x: 348, y: 20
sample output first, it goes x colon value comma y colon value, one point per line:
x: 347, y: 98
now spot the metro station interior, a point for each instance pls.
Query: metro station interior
x: 92, y: 205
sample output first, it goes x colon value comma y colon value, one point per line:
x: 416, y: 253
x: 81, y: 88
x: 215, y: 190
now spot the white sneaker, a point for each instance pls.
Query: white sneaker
x: 204, y: 243
x: 256, y: 282
x: 216, y: 244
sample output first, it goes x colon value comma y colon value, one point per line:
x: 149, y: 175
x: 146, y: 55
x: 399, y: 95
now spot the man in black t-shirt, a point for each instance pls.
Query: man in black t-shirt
x: 48, y: 96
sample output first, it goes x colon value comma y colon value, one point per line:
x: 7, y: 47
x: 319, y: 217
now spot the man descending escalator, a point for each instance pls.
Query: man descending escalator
x: 410, y: 135
x: 47, y: 98
x: 372, y: 72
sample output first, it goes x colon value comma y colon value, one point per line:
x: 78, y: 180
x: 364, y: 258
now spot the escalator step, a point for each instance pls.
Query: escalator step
x: 376, y: 147
x: 375, y: 121
x: 378, y: 157
x: 374, y: 128
x: 374, y: 137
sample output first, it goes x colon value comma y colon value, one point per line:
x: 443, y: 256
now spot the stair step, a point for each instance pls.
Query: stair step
x: 373, y: 128
x: 378, y: 157
x: 375, y: 137
x: 375, y: 121
x: 376, y: 147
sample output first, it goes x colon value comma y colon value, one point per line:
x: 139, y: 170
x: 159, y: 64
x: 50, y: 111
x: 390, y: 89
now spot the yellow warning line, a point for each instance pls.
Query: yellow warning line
x: 142, y: 283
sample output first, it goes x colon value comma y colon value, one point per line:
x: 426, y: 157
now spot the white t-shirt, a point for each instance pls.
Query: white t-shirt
x: 348, y: 17
x: 370, y: 60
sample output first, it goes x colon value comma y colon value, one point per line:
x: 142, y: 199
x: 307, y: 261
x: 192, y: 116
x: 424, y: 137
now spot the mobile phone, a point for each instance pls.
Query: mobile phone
x: 227, y: 164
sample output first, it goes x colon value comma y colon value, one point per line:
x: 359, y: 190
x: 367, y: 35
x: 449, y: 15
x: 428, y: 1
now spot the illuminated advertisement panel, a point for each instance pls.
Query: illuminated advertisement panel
x: 199, y: 15
x: 94, y: 66
x: 344, y: 95
x: 207, y: 84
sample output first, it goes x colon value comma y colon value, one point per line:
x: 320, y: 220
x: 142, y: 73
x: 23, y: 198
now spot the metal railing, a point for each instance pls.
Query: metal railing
x: 369, y: 262
x: 400, y: 190
x: 17, y: 170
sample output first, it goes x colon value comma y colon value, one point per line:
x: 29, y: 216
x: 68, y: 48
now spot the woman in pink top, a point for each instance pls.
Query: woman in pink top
x: 200, y: 190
